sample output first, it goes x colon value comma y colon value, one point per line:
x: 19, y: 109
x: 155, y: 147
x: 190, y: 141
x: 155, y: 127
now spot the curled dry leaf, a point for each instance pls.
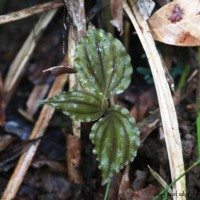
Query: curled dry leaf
x: 59, y: 70
x: 177, y: 23
x: 146, y: 193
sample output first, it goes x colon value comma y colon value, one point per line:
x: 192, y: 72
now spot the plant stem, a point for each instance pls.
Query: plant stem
x: 107, y: 190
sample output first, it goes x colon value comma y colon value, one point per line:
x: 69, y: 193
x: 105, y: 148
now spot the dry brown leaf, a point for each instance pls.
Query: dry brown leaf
x: 146, y: 193
x: 177, y: 23
x: 117, y: 14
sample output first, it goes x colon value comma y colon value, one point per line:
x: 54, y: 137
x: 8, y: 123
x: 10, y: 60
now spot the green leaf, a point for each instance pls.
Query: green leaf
x: 102, y: 63
x: 116, y: 139
x: 80, y: 105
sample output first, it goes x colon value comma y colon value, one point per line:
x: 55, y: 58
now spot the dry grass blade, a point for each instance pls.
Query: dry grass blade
x: 17, y: 66
x: 38, y: 131
x: 166, y: 104
x: 159, y: 179
x: 30, y: 11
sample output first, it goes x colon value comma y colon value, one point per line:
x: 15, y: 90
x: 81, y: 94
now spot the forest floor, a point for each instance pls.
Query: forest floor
x: 47, y: 177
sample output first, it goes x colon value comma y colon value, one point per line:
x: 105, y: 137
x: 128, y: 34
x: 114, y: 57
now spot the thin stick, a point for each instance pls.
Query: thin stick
x: 76, y: 126
x: 38, y: 131
x: 30, y: 11
x: 17, y: 67
x: 166, y: 104
x: 76, y: 10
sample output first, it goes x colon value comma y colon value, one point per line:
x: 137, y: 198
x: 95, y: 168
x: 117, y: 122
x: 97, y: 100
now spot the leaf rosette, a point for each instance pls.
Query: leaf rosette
x: 103, y: 69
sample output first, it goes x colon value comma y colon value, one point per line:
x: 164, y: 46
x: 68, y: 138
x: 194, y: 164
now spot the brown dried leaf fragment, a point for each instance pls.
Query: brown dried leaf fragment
x: 146, y: 193
x: 177, y: 23
x: 117, y: 14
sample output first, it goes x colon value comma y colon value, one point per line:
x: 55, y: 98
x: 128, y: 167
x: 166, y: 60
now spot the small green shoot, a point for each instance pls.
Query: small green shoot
x: 107, y: 190
x: 103, y: 70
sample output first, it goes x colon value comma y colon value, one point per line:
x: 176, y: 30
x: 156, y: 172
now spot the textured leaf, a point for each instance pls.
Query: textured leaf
x: 79, y: 104
x: 102, y: 63
x: 116, y: 139
x: 177, y: 23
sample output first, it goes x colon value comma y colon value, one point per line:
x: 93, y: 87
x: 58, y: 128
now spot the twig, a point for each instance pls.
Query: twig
x: 166, y: 104
x: 17, y: 67
x: 77, y: 13
x: 38, y: 131
x: 30, y: 11
x: 76, y: 126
